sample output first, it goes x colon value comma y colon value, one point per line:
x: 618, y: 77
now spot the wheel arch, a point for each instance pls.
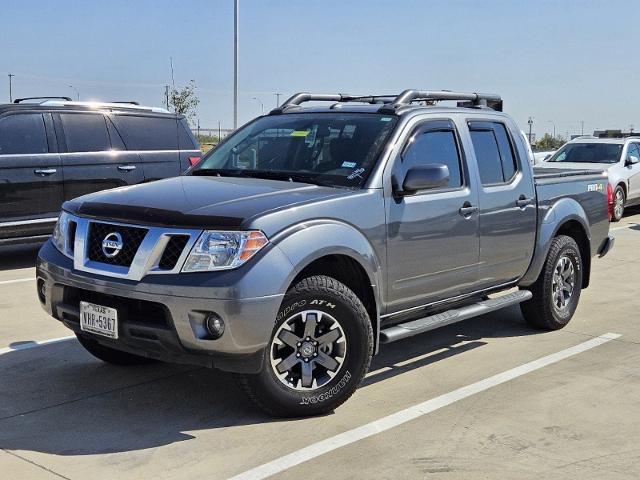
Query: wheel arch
x: 342, y: 252
x: 566, y: 217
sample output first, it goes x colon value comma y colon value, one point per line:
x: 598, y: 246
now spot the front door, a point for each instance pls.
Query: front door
x: 633, y: 150
x: 30, y: 176
x: 507, y: 204
x: 433, y: 245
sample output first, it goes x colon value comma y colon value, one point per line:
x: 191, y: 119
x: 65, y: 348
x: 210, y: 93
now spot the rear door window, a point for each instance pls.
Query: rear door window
x: 494, y: 152
x: 148, y: 133
x: 23, y: 134
x: 85, y: 132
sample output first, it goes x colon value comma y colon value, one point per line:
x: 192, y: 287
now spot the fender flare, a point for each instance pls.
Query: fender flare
x: 304, y: 243
x: 563, y: 211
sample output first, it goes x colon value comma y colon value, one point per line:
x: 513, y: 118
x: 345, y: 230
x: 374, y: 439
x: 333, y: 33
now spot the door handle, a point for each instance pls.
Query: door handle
x: 126, y: 168
x: 467, y: 210
x: 45, y: 171
x: 523, y: 201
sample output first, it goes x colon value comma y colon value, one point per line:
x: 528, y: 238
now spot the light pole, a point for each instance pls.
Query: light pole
x: 261, y: 105
x: 77, y: 92
x: 11, y: 75
x: 581, y: 127
x: 554, y: 127
x: 236, y: 24
x: 278, y: 99
x: 530, y: 122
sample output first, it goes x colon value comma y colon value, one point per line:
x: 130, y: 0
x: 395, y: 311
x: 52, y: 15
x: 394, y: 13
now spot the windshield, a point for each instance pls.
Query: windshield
x: 333, y: 149
x: 588, y: 153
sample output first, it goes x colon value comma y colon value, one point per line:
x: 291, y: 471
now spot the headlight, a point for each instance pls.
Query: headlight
x: 60, y: 234
x: 223, y: 250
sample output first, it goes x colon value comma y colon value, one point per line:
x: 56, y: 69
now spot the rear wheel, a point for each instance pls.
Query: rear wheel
x: 557, y: 290
x: 111, y: 355
x: 619, y: 199
x: 319, y: 351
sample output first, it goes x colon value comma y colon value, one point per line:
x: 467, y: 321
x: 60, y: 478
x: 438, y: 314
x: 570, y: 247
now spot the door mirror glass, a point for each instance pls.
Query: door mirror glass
x: 632, y: 160
x: 425, y: 177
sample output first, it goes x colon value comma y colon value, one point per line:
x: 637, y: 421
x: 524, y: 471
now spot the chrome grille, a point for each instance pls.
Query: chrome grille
x: 132, y: 237
x: 172, y: 251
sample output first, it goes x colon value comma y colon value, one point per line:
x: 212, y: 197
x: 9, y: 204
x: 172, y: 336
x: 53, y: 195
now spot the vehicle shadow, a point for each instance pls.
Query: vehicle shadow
x: 18, y: 256
x: 57, y: 399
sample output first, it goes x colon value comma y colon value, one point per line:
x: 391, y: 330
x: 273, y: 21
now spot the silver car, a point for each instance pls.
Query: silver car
x: 620, y: 157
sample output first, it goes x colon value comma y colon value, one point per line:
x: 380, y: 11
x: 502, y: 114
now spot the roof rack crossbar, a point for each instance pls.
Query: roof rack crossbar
x: 393, y: 102
x: 20, y: 100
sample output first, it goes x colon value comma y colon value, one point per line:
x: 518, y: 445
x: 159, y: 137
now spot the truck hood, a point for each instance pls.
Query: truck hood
x: 198, y: 202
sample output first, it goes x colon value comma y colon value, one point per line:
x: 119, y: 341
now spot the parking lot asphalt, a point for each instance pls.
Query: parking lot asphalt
x: 438, y: 402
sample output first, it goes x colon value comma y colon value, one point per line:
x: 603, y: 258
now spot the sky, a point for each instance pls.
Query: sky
x: 559, y: 62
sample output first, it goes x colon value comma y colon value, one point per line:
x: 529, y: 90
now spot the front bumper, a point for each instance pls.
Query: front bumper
x: 163, y: 320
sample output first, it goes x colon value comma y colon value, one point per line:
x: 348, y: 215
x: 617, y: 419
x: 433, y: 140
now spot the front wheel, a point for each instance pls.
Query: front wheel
x: 619, y: 199
x: 319, y: 351
x: 557, y: 290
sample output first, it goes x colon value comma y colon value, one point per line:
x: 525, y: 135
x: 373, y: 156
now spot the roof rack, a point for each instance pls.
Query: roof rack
x: 391, y: 103
x: 20, y: 100
x: 132, y: 102
x: 119, y: 105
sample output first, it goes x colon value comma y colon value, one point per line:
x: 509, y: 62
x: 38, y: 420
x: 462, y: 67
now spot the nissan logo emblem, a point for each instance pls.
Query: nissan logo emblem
x: 112, y: 244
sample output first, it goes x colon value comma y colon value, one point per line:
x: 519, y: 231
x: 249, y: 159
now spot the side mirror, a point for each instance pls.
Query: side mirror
x: 547, y: 157
x: 631, y: 160
x: 425, y: 177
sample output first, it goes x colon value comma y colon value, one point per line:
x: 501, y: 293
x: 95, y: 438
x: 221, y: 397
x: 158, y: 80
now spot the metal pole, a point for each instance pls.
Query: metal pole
x: 278, y: 99
x: 236, y: 22
x: 261, y: 105
x: 166, y: 95
x: 530, y: 122
x: 581, y: 127
x: 11, y: 75
x: 218, y: 131
x: 77, y: 92
x: 554, y: 127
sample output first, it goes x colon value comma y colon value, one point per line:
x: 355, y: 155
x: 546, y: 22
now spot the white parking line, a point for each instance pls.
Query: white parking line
x: 403, y: 416
x: 625, y: 226
x: 19, y: 280
x: 41, y: 343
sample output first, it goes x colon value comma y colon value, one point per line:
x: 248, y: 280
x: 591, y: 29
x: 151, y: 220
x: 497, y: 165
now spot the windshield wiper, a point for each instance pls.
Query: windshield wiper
x: 267, y: 174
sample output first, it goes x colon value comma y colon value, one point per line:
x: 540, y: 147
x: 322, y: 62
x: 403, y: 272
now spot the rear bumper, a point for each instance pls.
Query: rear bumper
x: 157, y: 324
x: 606, y: 245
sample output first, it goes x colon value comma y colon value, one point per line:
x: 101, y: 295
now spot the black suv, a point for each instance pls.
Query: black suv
x: 54, y: 149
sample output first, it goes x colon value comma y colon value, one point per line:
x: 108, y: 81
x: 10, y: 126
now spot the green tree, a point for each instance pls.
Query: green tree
x: 184, y: 101
x: 549, y: 143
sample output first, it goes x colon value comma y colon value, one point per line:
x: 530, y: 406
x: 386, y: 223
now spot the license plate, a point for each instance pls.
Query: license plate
x: 99, y: 319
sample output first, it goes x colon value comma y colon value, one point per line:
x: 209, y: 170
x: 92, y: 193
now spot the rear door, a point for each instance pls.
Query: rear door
x: 155, y: 139
x: 30, y: 175
x: 507, y: 203
x: 94, y: 155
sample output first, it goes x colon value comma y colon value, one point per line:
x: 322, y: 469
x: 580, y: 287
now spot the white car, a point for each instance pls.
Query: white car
x: 620, y: 157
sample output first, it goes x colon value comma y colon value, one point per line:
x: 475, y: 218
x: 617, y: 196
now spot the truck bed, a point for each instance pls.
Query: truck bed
x: 545, y: 173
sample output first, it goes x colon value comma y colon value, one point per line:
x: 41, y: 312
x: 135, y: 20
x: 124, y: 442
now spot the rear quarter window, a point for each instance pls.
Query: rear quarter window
x: 148, y: 133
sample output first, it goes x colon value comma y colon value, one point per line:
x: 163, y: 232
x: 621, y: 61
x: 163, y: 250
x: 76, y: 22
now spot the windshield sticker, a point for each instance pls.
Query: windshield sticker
x: 356, y: 174
x: 385, y: 119
x: 300, y: 133
x: 349, y: 164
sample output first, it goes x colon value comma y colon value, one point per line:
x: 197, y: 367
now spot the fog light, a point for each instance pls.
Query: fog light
x: 215, y: 326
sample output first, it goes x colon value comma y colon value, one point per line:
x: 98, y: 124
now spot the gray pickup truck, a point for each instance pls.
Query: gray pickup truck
x: 316, y: 233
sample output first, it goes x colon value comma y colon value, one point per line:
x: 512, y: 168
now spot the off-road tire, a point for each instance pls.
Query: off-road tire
x: 540, y: 311
x: 329, y: 296
x: 111, y: 355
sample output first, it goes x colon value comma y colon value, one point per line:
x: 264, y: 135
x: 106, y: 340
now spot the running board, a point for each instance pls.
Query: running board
x: 415, y: 327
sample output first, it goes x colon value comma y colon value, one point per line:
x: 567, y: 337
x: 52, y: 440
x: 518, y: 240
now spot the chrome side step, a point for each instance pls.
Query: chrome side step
x: 415, y: 327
